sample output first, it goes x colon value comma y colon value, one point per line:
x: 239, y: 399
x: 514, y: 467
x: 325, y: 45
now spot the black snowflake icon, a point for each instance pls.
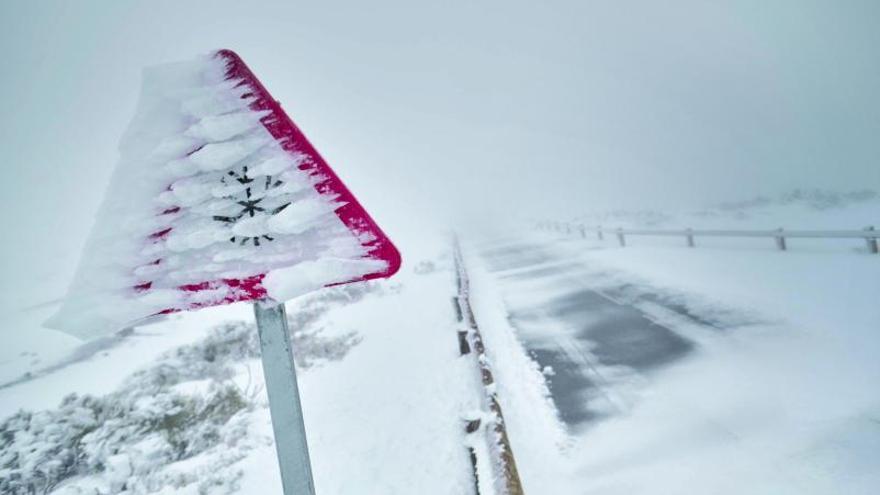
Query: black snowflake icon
x: 251, y: 205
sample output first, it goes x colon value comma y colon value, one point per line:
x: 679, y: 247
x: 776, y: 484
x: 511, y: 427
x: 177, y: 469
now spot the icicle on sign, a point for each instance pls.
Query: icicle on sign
x: 217, y: 198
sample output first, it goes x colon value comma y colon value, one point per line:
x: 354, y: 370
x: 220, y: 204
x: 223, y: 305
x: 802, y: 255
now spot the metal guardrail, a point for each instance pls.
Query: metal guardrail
x: 869, y: 235
x: 503, y: 478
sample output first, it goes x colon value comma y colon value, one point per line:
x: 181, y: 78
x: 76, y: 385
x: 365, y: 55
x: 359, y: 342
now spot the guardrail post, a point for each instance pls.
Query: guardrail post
x: 690, y: 238
x: 872, y: 241
x: 780, y: 240
x: 620, y: 238
x: 599, y: 233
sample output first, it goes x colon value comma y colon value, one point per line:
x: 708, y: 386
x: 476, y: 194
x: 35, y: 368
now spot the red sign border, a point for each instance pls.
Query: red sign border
x: 292, y: 140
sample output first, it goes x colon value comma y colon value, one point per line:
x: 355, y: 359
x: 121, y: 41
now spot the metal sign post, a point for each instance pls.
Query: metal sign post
x: 284, y: 403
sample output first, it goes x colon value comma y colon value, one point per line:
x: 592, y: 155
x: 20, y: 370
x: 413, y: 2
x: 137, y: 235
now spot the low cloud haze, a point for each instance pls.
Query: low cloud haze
x: 452, y: 110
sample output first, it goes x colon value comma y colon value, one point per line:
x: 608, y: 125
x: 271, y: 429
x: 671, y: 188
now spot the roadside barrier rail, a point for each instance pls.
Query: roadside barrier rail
x: 868, y: 234
x: 489, y: 424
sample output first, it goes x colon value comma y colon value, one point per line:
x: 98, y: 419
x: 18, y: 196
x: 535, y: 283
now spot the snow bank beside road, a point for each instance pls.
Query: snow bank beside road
x: 383, y: 414
x: 537, y: 437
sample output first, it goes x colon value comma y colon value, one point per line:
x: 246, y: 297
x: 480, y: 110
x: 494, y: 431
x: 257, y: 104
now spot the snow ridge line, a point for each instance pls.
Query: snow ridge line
x: 504, y: 473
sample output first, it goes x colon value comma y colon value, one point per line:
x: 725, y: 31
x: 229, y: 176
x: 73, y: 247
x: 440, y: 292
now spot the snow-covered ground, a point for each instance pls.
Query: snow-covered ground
x: 776, y: 394
x: 798, y: 210
x: 383, y: 389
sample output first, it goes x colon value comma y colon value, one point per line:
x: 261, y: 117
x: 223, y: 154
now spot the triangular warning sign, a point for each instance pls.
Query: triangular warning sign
x: 218, y: 197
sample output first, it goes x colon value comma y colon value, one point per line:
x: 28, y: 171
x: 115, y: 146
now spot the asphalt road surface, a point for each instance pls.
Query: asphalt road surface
x: 584, y: 338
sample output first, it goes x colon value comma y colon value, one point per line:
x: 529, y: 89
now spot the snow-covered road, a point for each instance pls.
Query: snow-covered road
x: 592, y: 334
x: 670, y: 374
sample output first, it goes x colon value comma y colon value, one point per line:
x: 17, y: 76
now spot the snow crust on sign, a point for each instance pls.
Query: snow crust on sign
x: 203, y: 192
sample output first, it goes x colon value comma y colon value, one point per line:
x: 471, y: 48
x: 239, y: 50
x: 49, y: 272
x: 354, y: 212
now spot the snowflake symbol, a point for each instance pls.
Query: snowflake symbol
x: 250, y: 205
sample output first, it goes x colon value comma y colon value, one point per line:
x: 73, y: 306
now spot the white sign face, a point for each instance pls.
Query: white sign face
x: 217, y: 198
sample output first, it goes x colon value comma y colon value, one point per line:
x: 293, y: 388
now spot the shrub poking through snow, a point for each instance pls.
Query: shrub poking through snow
x: 144, y: 425
x: 113, y: 435
x: 186, y: 408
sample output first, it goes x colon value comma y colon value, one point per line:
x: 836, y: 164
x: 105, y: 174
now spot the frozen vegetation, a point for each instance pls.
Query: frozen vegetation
x: 188, y: 405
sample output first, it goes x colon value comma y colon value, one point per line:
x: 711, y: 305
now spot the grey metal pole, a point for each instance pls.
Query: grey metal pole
x: 872, y: 241
x: 284, y: 403
x: 780, y: 240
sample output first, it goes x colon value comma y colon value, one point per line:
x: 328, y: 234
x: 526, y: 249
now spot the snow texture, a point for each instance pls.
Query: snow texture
x: 384, y: 396
x: 777, y: 394
x: 180, y: 425
x: 203, y: 193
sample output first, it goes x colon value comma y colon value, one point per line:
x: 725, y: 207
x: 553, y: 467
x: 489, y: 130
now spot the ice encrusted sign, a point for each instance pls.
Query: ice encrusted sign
x: 217, y: 198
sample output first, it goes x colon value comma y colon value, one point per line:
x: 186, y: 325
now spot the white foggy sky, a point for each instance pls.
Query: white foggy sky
x: 441, y: 109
